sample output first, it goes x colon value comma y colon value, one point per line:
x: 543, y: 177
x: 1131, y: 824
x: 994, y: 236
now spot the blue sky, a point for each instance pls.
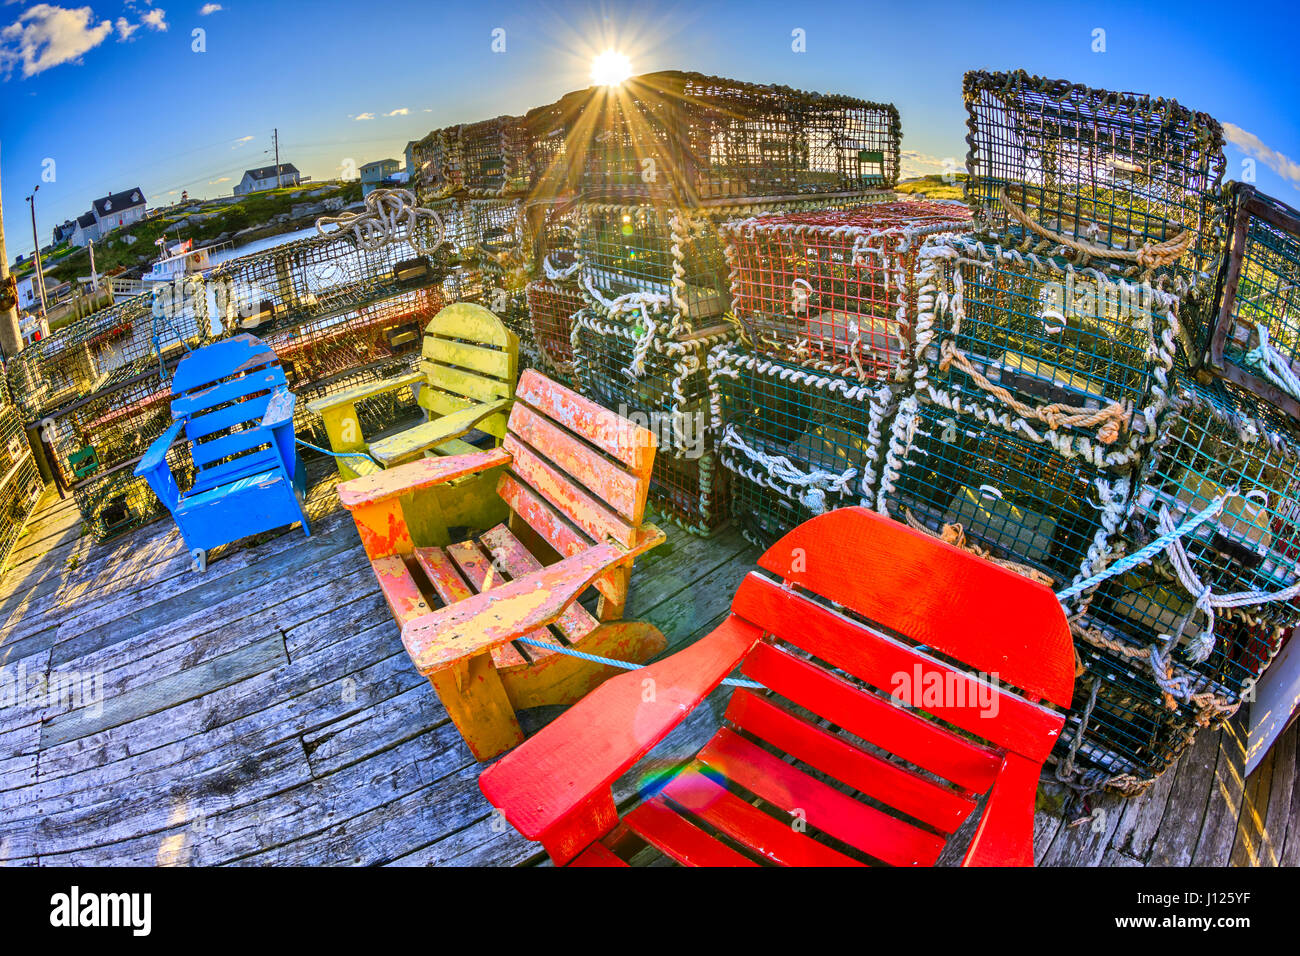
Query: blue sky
x: 115, y: 95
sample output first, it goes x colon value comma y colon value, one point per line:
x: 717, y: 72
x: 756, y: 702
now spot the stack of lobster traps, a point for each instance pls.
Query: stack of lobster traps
x: 20, y: 481
x: 825, y: 303
x: 1058, y: 425
x: 96, y: 393
x: 659, y: 165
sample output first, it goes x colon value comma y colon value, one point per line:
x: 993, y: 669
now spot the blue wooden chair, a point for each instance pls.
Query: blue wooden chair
x: 234, y: 405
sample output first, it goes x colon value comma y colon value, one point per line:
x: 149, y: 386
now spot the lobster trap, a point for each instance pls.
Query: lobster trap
x: 1061, y: 169
x: 113, y: 500
x: 835, y: 290
x: 1255, y: 340
x: 798, y: 441
x: 688, y: 137
x: 493, y: 157
x: 1068, y: 357
x: 436, y: 161
x: 1218, y: 442
x: 999, y: 494
x: 691, y: 492
x: 551, y: 308
x: 103, y: 350
x: 20, y: 481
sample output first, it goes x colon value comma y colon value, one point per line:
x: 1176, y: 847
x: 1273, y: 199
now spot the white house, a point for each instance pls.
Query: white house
x: 119, y: 209
x: 29, y: 293
x: 265, y: 177
x: 84, y: 229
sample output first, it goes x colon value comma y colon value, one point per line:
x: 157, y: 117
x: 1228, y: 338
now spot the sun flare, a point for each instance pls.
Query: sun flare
x: 610, y: 68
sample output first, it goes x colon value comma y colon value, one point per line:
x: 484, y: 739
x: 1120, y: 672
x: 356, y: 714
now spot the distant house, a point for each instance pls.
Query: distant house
x: 29, y: 293
x: 382, y: 172
x: 84, y: 229
x: 119, y: 209
x: 264, y: 177
x: 64, y: 231
x: 409, y: 155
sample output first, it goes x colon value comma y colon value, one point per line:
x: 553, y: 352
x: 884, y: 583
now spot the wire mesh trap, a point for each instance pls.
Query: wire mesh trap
x: 551, y: 308
x: 692, y: 493
x: 1013, y: 499
x: 104, y: 349
x: 1058, y: 168
x: 20, y: 481
x: 493, y: 158
x: 639, y: 369
x: 835, y: 290
x: 688, y: 137
x: 1217, y: 440
x: 802, y: 441
x: 1255, y: 338
x: 1069, y: 357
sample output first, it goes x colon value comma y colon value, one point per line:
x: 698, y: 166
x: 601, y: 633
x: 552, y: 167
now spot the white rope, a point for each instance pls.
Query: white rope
x: 1273, y: 364
x: 391, y: 216
x: 556, y: 275
x: 815, y: 483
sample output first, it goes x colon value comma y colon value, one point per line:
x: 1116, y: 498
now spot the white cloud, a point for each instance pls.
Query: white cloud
x: 241, y: 141
x: 154, y: 19
x: 364, y: 116
x: 1253, y: 146
x: 912, y: 164
x: 125, y: 28
x: 209, y: 8
x: 400, y: 111
x: 214, y: 182
x: 46, y: 36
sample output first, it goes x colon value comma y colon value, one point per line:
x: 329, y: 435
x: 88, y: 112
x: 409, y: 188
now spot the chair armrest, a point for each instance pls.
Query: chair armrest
x: 547, y: 785
x: 477, y: 624
x: 416, y: 439
x: 1005, y: 836
x: 416, y: 475
x: 279, y: 410
x: 156, y: 456
x: 365, y: 390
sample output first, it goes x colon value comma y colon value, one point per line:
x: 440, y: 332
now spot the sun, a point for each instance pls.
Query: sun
x: 610, y: 68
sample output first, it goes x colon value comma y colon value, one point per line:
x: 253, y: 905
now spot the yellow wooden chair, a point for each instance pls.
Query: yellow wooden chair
x: 465, y: 380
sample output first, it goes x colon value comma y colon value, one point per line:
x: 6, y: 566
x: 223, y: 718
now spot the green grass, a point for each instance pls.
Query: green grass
x: 934, y: 187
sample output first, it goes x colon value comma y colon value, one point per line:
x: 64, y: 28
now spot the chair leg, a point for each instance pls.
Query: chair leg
x: 563, y: 679
x: 608, y: 609
x: 478, y: 705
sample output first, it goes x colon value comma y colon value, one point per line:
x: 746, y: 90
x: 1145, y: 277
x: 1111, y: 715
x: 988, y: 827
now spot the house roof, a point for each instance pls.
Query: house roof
x: 382, y: 162
x: 116, y: 202
x: 266, y: 172
x: 86, y: 220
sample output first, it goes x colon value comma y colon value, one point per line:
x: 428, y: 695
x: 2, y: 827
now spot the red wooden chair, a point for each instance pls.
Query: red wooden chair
x: 862, y: 627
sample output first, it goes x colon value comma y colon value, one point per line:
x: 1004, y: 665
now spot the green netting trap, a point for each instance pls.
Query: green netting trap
x: 1255, y: 338
x: 835, y: 289
x: 691, y: 492
x: 1069, y: 357
x: 494, y: 157
x: 999, y: 494
x: 689, y: 137
x: 20, y: 482
x: 113, y: 501
x: 798, y: 441
x: 1218, y: 441
x: 1059, y: 168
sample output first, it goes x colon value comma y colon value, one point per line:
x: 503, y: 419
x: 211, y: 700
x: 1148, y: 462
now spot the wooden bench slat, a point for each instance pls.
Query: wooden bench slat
x: 442, y: 574
x: 478, y: 387
x: 661, y: 826
x: 480, y: 574
x: 491, y: 362
x: 607, y: 479
x: 745, y: 823
x: 507, y: 551
x: 593, y: 516
x: 889, y: 783
x: 877, y: 834
x: 399, y: 587
x: 906, y: 735
x: 1009, y: 721
x: 631, y: 444
x: 187, y: 406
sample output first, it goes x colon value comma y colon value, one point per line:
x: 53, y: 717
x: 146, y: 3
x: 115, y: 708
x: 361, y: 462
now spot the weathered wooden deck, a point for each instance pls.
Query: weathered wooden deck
x: 266, y: 712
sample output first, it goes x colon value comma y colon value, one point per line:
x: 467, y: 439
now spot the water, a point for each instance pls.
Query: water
x: 261, y: 245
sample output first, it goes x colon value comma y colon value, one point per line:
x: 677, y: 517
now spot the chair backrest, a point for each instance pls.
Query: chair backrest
x: 928, y: 626
x: 221, y: 392
x: 469, y: 358
x: 579, y: 473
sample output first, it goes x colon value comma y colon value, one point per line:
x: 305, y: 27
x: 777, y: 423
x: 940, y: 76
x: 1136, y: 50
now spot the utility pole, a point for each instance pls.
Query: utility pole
x: 11, y: 336
x: 40, y: 271
x: 275, y: 138
x: 94, y: 279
